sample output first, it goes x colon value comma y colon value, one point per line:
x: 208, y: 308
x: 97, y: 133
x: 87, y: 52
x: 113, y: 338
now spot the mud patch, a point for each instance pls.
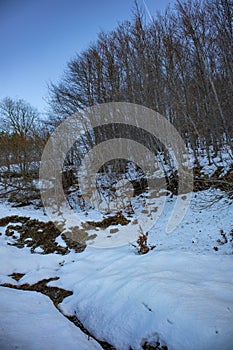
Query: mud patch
x: 156, y: 346
x: 118, y: 219
x: 39, y: 236
x: 54, y: 293
x: 16, y: 276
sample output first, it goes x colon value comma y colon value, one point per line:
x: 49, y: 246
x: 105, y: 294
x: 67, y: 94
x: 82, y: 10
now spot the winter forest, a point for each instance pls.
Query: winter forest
x: 178, y: 63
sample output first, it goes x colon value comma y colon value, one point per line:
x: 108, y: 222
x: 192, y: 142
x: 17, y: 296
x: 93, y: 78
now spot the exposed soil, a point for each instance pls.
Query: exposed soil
x: 118, y: 219
x: 54, y: 293
x: 157, y: 346
x: 17, y: 276
x: 38, y: 234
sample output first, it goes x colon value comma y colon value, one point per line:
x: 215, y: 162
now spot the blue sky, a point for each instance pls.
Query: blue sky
x: 38, y: 38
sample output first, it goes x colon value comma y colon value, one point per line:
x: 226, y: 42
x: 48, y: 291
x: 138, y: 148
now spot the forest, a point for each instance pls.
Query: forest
x: 178, y: 64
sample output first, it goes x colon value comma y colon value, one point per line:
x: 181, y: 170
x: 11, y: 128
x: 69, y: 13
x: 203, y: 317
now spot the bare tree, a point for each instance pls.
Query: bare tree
x: 180, y: 64
x: 19, y: 121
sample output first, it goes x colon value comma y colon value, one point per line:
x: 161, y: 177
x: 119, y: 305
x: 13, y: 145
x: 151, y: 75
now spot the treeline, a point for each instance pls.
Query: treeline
x: 22, y: 138
x: 179, y: 64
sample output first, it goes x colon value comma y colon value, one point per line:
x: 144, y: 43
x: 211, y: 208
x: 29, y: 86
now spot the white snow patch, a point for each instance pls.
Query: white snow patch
x: 29, y: 320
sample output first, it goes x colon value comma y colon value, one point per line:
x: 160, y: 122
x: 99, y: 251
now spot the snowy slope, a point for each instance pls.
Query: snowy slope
x: 180, y: 293
x: 184, y: 299
x: 29, y: 321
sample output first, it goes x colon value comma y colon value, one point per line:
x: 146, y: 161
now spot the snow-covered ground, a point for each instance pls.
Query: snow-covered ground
x: 30, y: 321
x: 179, y: 294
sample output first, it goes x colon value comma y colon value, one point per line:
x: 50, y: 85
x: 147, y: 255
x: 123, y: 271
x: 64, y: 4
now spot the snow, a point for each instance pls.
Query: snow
x: 180, y: 293
x: 30, y: 321
x: 28, y: 211
x: 184, y: 299
x: 39, y: 250
x: 223, y: 158
x: 200, y: 229
x: 21, y: 260
x: 60, y: 241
